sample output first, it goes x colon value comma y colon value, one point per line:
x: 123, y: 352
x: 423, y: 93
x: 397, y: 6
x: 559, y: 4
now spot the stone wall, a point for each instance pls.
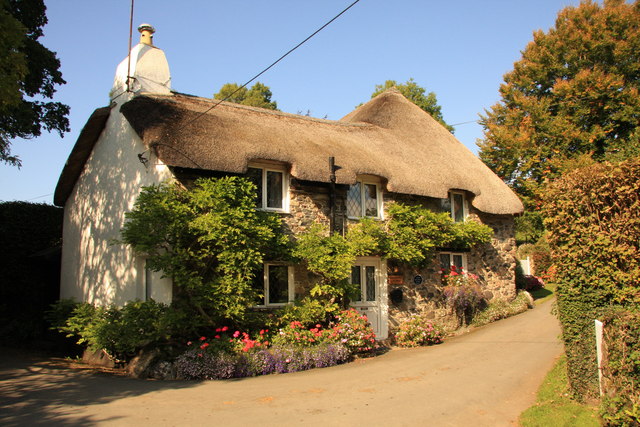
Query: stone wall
x: 493, y: 262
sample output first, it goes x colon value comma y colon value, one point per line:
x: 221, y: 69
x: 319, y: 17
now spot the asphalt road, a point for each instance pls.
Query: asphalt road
x: 483, y: 378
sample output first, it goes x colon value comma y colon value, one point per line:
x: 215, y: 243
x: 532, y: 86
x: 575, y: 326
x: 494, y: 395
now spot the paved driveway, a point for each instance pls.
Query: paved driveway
x: 484, y: 378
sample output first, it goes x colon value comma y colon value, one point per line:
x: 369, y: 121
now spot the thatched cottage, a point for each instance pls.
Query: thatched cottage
x: 387, y: 150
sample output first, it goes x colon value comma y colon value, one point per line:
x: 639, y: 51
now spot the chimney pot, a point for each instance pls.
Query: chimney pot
x: 146, y: 34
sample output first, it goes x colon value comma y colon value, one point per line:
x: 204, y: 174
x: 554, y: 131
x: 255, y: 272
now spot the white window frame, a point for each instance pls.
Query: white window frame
x: 285, y: 186
x: 265, y: 290
x: 451, y: 254
x: 465, y: 207
x: 361, y: 182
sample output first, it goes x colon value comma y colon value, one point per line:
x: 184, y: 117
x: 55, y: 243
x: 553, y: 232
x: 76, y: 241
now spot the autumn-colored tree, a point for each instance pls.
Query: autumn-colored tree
x: 416, y: 94
x: 572, y: 98
x: 259, y: 95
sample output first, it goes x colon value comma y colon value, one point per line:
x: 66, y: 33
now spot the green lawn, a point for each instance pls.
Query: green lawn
x: 554, y: 406
x: 544, y: 294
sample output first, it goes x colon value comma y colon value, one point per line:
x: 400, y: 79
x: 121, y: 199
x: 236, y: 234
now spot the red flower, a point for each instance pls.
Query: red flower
x: 205, y: 345
x: 236, y: 334
x: 203, y: 338
x: 217, y: 337
x: 225, y: 329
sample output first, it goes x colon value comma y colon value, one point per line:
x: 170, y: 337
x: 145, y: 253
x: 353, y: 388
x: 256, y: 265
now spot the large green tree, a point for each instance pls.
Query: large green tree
x: 572, y: 98
x: 28, y: 72
x: 258, y: 95
x: 418, y: 95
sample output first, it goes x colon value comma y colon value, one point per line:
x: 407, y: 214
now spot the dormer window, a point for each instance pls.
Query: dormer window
x: 455, y: 205
x: 364, y: 199
x: 273, y: 187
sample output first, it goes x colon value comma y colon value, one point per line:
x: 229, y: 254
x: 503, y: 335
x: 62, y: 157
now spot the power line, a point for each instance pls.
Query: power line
x: 270, y: 66
x: 39, y: 197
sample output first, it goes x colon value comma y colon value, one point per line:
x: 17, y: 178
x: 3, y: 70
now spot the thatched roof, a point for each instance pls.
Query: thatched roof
x: 388, y: 137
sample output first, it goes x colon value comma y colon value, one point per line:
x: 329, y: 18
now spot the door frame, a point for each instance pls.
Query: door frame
x: 382, y: 299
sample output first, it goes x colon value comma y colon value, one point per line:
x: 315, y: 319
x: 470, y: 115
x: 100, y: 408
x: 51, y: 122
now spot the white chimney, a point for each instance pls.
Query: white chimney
x: 148, y: 69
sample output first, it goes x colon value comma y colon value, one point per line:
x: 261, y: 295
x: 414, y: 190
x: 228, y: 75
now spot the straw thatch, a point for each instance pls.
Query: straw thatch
x: 388, y: 137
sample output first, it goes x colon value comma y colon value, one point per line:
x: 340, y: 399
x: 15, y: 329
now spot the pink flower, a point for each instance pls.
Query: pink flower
x: 225, y: 329
x: 189, y: 343
x: 199, y: 354
x: 236, y: 334
x: 217, y: 337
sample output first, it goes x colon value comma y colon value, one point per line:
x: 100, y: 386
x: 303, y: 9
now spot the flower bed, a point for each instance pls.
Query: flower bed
x: 292, y: 348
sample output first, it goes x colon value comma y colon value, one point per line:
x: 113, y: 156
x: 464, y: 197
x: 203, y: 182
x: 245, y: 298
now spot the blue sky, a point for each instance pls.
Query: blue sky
x: 458, y: 49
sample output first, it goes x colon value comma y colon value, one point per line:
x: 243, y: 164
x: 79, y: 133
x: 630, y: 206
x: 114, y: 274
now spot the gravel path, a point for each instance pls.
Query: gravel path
x: 483, y: 378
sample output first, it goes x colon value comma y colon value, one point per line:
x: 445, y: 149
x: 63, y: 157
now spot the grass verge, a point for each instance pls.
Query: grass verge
x: 554, y: 406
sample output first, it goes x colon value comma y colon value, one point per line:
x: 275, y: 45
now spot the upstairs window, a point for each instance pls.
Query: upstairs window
x: 364, y: 199
x: 274, y: 285
x: 273, y: 188
x: 455, y: 205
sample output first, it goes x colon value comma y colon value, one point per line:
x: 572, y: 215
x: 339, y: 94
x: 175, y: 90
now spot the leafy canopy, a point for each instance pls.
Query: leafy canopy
x: 572, y: 98
x: 210, y: 240
x: 28, y: 70
x: 259, y: 95
x: 416, y: 94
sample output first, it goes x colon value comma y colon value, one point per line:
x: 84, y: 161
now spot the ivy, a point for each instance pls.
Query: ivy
x: 593, y: 218
x: 410, y: 235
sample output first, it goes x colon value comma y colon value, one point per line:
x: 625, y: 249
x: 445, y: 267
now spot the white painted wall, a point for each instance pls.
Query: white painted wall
x: 94, y: 269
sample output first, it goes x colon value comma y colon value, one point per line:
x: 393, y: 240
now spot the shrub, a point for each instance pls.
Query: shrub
x: 621, y: 369
x: 463, y: 293
x: 353, y: 330
x: 593, y: 223
x: 417, y: 331
x: 296, y: 334
x: 121, y: 332
x: 501, y: 309
x: 30, y: 234
x: 308, y: 312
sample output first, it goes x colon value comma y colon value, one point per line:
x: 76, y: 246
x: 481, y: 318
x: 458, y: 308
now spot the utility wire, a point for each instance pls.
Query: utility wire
x: 270, y: 66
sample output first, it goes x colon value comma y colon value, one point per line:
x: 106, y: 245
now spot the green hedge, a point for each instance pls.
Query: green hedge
x: 593, y: 220
x: 621, y: 369
x: 30, y: 238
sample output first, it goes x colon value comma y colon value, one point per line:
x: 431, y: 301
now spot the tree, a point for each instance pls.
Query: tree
x: 27, y: 70
x: 571, y: 100
x: 259, y: 95
x: 416, y: 94
x: 209, y: 239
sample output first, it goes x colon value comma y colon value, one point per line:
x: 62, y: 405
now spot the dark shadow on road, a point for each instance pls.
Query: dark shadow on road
x: 37, y: 391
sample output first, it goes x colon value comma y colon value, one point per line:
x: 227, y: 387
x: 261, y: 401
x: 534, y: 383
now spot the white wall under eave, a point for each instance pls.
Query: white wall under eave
x: 94, y: 269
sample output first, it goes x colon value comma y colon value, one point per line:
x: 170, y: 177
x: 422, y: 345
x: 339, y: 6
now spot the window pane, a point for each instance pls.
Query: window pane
x: 255, y: 175
x: 258, y: 285
x: 354, y: 200
x: 458, y: 207
x: 445, y: 261
x: 278, y: 284
x: 370, y: 273
x: 457, y: 261
x: 357, y: 280
x: 445, y: 205
x: 274, y: 189
x: 370, y: 200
